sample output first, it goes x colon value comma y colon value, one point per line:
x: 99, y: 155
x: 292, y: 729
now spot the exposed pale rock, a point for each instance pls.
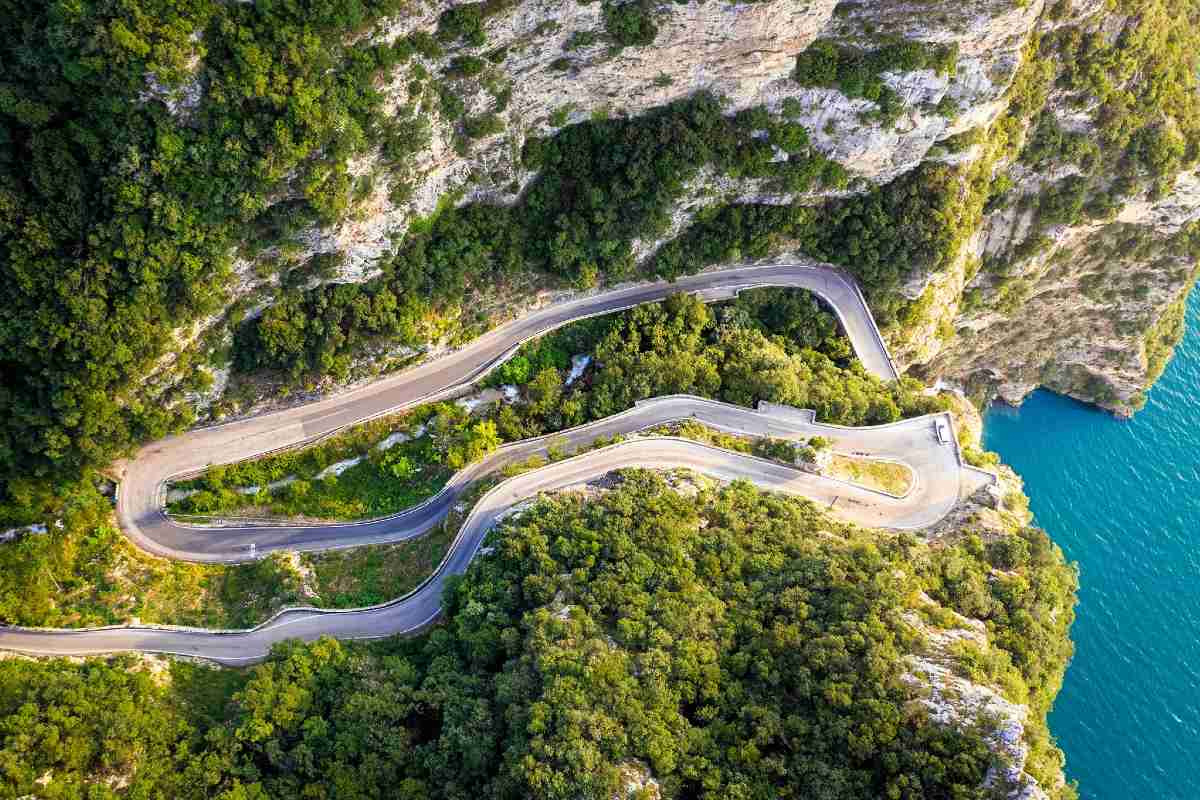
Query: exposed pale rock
x: 955, y: 700
x: 393, y: 439
x: 13, y: 533
x: 1168, y: 215
x: 579, y: 363
x: 637, y: 781
x: 480, y: 399
x: 746, y: 52
x: 1074, y: 316
x: 179, y: 100
x: 743, y: 51
x: 339, y: 467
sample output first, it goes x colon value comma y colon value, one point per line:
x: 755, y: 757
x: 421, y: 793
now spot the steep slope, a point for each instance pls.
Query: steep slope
x: 992, y: 111
x: 960, y: 158
x: 684, y: 640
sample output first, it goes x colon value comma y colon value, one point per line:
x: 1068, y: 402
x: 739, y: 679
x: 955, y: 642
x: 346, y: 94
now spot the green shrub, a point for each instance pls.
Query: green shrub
x: 101, y: 181
x: 818, y: 64
x: 463, y: 22
x: 1050, y: 144
x: 425, y: 44
x: 482, y: 126
x: 630, y: 24
x: 450, y: 104
x: 858, y: 73
x: 580, y: 39
x: 1062, y: 203
x: 465, y: 66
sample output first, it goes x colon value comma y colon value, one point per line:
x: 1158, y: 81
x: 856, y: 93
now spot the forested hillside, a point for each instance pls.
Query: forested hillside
x: 769, y: 344
x: 126, y: 201
x: 119, y: 218
x: 728, y: 644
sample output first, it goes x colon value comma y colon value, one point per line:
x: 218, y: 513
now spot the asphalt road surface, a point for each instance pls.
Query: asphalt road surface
x: 940, y: 478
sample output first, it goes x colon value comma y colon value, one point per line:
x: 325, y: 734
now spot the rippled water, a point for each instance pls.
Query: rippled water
x: 1123, y: 500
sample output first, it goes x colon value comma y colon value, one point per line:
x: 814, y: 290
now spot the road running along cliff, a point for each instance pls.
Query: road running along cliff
x: 139, y: 507
x: 940, y: 478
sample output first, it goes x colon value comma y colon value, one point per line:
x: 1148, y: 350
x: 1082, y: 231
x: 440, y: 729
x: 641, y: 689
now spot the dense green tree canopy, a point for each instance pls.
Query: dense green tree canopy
x: 721, y: 642
x: 772, y: 344
x: 601, y: 185
x: 725, y: 643
x: 117, y: 216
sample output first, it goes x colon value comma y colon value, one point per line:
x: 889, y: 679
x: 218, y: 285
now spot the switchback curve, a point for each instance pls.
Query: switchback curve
x: 937, y: 466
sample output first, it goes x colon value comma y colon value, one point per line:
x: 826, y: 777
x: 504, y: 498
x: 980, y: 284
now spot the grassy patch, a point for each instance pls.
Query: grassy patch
x: 698, y: 432
x: 364, y: 576
x: 99, y: 578
x: 783, y: 451
x: 118, y: 583
x: 885, y: 476
x: 384, y: 482
x: 307, y: 462
x: 882, y: 475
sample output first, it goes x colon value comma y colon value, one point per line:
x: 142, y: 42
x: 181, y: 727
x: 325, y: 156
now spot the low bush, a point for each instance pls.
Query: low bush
x: 630, y: 24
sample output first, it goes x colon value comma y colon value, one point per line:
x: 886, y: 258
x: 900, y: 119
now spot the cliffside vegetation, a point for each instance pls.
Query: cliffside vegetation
x: 84, y: 572
x: 145, y: 145
x: 770, y: 344
x: 731, y: 644
x: 859, y: 72
x: 1138, y: 91
x: 601, y: 185
x: 683, y: 346
x: 1162, y: 338
x: 149, y: 140
x: 915, y: 223
x: 1141, y: 86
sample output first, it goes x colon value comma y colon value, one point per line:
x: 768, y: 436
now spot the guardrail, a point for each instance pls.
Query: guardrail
x: 853, y: 284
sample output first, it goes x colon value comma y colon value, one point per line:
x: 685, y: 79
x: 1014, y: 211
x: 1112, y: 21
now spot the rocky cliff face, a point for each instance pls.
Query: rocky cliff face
x: 1088, y: 304
x: 561, y: 69
x: 952, y: 699
x: 1090, y: 307
x: 1033, y: 292
x: 1093, y: 315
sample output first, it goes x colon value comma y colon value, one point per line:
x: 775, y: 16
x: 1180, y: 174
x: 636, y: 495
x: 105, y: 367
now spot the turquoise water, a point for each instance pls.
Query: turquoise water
x: 1123, y: 500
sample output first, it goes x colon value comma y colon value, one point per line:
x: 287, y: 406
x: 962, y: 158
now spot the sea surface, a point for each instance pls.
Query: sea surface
x: 1122, y: 498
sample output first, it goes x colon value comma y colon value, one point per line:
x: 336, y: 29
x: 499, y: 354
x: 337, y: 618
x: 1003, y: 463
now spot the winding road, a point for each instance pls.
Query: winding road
x: 940, y: 477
